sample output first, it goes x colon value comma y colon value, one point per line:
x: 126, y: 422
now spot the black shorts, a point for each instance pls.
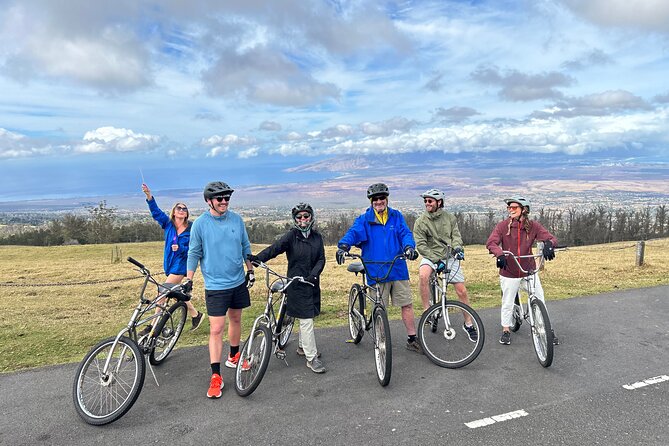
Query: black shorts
x: 218, y: 301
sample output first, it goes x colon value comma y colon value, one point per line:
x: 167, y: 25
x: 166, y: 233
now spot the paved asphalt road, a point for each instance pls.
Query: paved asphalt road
x: 608, y: 341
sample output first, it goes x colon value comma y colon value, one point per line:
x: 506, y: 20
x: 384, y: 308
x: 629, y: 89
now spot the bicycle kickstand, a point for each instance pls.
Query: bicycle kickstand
x: 148, y: 363
x: 281, y: 354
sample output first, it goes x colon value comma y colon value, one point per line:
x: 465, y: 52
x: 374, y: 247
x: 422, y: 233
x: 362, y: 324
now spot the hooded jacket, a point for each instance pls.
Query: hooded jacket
x: 434, y: 232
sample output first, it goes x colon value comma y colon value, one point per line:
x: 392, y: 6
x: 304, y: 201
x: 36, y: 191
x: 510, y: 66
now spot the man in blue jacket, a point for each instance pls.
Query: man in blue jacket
x: 381, y: 233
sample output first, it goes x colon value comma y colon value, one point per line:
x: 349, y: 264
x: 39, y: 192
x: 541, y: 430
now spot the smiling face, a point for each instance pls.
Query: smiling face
x: 379, y: 203
x: 219, y: 203
x: 431, y: 205
x: 515, y: 210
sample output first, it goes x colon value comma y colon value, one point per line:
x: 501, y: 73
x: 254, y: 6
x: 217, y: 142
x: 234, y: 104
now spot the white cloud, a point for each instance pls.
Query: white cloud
x: 248, y: 153
x: 649, y: 15
x: 111, y: 139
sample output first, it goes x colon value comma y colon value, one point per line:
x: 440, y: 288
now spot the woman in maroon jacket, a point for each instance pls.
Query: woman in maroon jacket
x: 517, y: 234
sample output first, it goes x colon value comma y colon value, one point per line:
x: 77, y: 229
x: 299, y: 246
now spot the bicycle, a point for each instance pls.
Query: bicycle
x: 441, y: 330
x: 358, y: 323
x: 110, y: 378
x: 534, y: 311
x: 269, y: 329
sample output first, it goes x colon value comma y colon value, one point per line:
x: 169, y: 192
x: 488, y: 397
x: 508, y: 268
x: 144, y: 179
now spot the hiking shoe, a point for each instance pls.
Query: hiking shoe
x: 471, y: 332
x: 506, y: 338
x: 197, y: 321
x: 215, y: 386
x: 414, y: 346
x: 145, y: 331
x: 300, y: 352
x: 232, y: 361
x: 316, y: 365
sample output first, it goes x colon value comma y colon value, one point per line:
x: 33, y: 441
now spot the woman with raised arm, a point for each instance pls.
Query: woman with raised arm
x: 177, y: 238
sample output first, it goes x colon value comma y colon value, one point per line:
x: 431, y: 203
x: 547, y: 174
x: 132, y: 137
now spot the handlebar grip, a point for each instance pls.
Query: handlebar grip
x: 135, y: 262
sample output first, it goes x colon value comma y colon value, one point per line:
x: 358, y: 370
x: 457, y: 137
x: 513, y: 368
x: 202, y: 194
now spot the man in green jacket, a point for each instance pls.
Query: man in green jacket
x: 438, y: 240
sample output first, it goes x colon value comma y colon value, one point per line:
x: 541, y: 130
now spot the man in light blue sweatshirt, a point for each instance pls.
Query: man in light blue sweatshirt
x: 220, y: 244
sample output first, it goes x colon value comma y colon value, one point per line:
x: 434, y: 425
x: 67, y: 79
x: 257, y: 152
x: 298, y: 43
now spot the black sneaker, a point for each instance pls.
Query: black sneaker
x: 506, y: 338
x: 471, y: 332
x: 197, y: 321
x: 414, y: 346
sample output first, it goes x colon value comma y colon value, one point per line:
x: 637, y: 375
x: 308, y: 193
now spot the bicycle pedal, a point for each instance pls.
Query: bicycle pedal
x: 350, y: 341
x: 281, y: 354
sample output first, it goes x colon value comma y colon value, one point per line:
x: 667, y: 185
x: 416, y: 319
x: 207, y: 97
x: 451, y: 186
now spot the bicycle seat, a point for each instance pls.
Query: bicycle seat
x: 277, y: 286
x: 355, y: 267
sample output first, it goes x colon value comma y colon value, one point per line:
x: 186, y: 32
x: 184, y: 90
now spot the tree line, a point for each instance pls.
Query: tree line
x: 573, y: 227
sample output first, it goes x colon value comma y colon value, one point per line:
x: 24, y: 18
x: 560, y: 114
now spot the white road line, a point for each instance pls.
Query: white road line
x: 496, y: 419
x: 646, y: 382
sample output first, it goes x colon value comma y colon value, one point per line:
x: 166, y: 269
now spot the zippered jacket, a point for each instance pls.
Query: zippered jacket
x: 174, y: 262
x: 381, y: 243
x: 434, y: 232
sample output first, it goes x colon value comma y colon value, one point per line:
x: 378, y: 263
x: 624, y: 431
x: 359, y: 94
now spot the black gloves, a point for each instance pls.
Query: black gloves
x: 441, y: 266
x: 341, y: 253
x: 549, y: 251
x: 501, y: 262
x: 410, y: 253
x: 250, y: 278
x: 187, y: 286
x: 459, y: 253
x: 255, y: 261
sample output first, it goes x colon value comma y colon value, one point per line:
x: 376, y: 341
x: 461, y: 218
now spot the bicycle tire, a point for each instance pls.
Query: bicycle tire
x: 517, y: 319
x: 102, y: 399
x: 256, y: 357
x: 286, y: 330
x: 383, y: 352
x: 450, y: 347
x: 167, y: 332
x: 356, y: 313
x: 542, y: 334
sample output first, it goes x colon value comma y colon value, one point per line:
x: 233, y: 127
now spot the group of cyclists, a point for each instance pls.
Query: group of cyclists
x: 218, y: 243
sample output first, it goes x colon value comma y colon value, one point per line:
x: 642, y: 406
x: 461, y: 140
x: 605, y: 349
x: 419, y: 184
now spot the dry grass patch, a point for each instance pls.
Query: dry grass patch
x: 42, y: 325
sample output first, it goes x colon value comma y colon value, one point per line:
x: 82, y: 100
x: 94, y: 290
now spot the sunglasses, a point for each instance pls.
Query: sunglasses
x: 302, y: 216
x: 513, y: 208
x: 429, y: 201
x: 379, y: 198
x: 181, y: 208
x: 220, y: 198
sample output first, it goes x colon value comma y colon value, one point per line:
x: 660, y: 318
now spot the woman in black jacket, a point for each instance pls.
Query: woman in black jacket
x: 304, y: 249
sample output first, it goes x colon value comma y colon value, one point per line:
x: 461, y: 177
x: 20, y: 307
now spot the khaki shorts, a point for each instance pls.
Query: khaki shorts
x: 399, y: 291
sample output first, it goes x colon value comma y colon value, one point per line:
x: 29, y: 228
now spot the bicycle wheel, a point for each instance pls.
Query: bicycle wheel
x: 167, y: 332
x: 450, y: 345
x: 253, y: 361
x: 542, y: 334
x: 517, y: 319
x: 286, y: 331
x: 356, y: 313
x: 383, y: 352
x: 101, y: 398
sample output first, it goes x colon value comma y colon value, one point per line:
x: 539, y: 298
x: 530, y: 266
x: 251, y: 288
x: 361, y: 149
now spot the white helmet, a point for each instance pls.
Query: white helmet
x: 435, y: 194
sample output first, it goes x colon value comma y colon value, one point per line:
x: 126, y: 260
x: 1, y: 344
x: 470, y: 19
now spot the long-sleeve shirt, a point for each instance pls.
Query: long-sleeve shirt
x: 174, y: 262
x: 220, y: 246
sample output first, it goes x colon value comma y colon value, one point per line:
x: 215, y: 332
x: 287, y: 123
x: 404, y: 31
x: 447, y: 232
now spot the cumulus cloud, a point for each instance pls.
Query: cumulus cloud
x: 111, y: 139
x: 453, y: 114
x: 517, y: 86
x: 599, y: 104
x: 15, y: 145
x: 222, y: 145
x: 270, y: 126
x: 396, y: 124
x: 248, y: 153
x: 648, y: 15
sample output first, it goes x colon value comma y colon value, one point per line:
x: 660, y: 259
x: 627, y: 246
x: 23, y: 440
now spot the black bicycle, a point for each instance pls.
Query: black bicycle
x: 110, y: 377
x: 377, y: 320
x: 270, y: 332
x: 451, y: 333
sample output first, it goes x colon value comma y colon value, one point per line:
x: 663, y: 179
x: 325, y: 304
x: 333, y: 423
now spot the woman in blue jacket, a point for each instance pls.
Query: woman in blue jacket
x: 177, y: 238
x: 382, y: 233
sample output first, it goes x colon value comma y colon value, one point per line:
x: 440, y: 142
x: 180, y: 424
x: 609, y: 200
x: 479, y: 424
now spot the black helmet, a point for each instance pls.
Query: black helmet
x: 377, y: 189
x: 216, y: 188
x: 303, y: 207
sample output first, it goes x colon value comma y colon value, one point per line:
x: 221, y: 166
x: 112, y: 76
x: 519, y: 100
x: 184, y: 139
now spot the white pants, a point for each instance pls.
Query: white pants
x: 510, y: 287
x: 307, y: 338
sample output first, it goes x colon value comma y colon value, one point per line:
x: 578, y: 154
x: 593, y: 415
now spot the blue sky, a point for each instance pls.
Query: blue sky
x: 295, y: 91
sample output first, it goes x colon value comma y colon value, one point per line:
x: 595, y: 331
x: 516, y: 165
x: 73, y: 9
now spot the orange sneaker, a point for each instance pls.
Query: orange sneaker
x: 215, y: 386
x: 232, y: 361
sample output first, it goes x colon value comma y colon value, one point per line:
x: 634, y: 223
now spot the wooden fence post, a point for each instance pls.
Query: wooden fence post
x: 640, y: 246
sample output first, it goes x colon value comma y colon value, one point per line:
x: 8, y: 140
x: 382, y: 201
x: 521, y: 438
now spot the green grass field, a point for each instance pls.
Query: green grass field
x: 44, y: 322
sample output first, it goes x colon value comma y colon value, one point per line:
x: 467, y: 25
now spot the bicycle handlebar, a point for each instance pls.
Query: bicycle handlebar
x: 373, y: 262
x: 527, y: 256
x: 136, y: 263
x: 290, y: 280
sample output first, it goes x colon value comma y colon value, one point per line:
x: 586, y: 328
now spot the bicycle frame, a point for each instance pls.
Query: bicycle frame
x: 439, y: 295
x: 529, y: 280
